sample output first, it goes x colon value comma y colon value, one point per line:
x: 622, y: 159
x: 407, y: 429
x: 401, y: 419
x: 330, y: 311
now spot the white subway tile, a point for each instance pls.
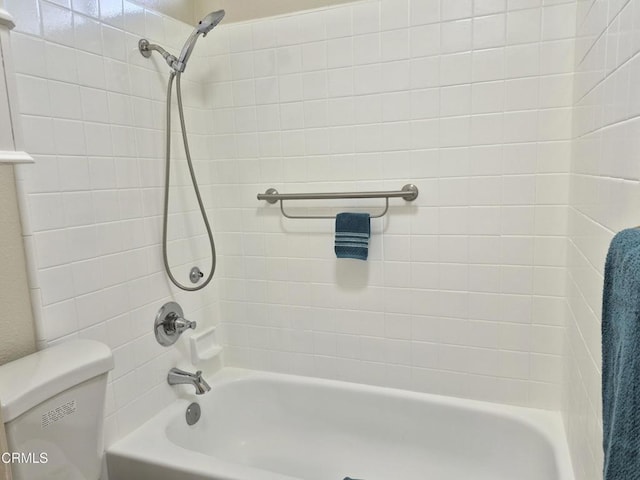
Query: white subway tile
x: 366, y: 49
x: 488, y: 65
x: 33, y: 95
x: 515, y: 365
x: 26, y: 15
x: 521, y: 126
x: 314, y: 85
x: 517, y: 250
x: 394, y: 14
x: 455, y: 131
x: 558, y: 56
x: 487, y: 7
x: 455, y: 69
x: 57, y: 24
x: 56, y: 284
x: 31, y: 57
x: 338, y: 22
x: 424, y: 103
x: 396, y: 106
x: 111, y: 12
x: 549, y: 281
x: 517, y: 309
x: 524, y: 26
x: 367, y: 79
x: 488, y: 32
x: 487, y: 97
x: 290, y: 88
x: 487, y: 129
x: 455, y: 101
x: 87, y: 34
x: 60, y: 63
x: 425, y: 72
x: 456, y: 36
x: 558, y: 21
x: 522, y: 60
x: 314, y: 56
x: 545, y: 339
x: 424, y: 40
x: 424, y: 11
x: 395, y: 76
x: 266, y: 90
x: 94, y: 105
x: 91, y: 70
x: 484, y: 278
x: 522, y: 94
x: 60, y: 319
x: 366, y: 17
x: 394, y: 45
x: 455, y: 10
x: 98, y: 139
x: 555, y: 124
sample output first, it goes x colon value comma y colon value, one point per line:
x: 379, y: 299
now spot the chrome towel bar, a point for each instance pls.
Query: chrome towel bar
x: 409, y: 193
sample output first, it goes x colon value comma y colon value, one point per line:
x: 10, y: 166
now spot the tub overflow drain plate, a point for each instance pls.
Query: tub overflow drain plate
x: 193, y: 414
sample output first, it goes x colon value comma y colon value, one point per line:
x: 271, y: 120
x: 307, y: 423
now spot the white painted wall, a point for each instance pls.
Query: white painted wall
x: 16, y: 322
x: 18, y: 337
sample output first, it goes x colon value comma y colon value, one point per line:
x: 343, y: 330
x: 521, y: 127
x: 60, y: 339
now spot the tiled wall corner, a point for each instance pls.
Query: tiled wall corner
x: 605, y: 192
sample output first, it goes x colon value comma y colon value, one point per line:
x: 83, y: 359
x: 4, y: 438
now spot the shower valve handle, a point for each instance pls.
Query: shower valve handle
x: 170, y: 324
x: 178, y: 325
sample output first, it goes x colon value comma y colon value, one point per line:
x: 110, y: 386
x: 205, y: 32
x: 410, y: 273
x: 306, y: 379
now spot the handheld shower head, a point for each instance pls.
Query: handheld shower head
x: 179, y: 64
x: 204, y: 26
x: 209, y: 22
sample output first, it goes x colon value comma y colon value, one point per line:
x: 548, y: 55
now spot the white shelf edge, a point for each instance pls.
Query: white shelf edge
x: 6, y: 19
x: 11, y: 157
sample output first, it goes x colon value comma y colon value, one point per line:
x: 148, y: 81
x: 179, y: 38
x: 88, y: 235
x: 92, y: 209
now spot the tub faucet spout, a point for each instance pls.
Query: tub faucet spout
x: 177, y: 377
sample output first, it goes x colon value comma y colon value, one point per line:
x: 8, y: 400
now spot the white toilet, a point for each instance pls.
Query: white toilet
x: 53, y: 404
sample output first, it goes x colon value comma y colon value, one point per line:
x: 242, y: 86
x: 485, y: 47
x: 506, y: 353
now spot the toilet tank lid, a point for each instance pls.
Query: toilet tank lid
x: 30, y: 380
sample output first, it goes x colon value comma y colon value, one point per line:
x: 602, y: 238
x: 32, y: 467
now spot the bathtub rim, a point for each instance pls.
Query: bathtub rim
x: 546, y: 423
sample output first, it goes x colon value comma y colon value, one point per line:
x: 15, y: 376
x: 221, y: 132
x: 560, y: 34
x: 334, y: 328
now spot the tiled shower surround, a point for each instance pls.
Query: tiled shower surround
x: 605, y: 196
x: 465, y: 289
x: 92, y: 114
x: 463, y: 293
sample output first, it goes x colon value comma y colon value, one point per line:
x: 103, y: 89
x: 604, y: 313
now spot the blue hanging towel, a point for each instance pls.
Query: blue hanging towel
x: 621, y: 358
x: 352, y: 235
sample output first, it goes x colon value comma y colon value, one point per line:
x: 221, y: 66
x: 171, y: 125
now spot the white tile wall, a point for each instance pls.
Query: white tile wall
x: 463, y: 293
x: 92, y: 110
x: 605, y: 192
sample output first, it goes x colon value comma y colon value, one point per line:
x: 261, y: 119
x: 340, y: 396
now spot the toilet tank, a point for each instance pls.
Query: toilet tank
x: 53, y: 407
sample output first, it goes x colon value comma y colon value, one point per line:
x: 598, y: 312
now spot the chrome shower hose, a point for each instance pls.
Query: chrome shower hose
x: 195, y: 188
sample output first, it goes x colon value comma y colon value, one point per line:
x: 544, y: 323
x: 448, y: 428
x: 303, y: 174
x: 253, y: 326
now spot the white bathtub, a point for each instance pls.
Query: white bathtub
x: 264, y: 426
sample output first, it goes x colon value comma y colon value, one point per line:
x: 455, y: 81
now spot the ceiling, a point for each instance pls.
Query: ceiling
x: 190, y: 11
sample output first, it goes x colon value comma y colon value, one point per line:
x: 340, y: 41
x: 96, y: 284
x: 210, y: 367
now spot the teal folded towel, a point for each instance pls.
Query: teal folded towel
x: 352, y: 235
x: 621, y: 358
